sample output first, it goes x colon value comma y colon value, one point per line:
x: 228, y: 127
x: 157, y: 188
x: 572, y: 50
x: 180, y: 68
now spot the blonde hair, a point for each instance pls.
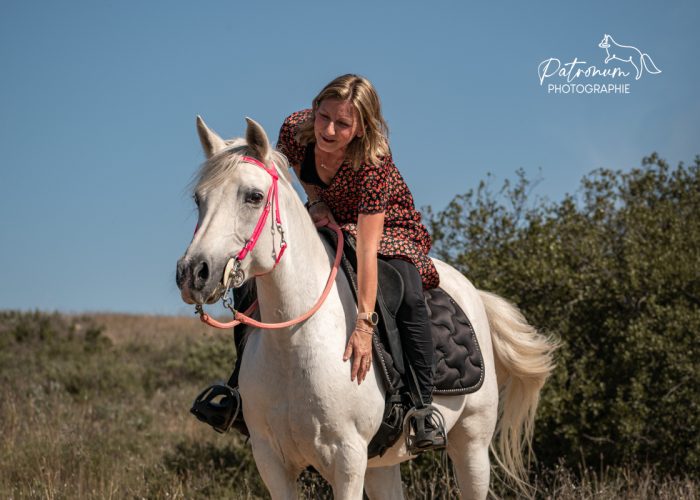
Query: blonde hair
x: 373, y: 143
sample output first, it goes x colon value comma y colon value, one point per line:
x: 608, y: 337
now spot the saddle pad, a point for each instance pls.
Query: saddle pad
x: 459, y: 365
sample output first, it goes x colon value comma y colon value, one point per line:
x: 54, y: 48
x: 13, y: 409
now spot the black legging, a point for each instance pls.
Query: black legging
x: 414, y: 326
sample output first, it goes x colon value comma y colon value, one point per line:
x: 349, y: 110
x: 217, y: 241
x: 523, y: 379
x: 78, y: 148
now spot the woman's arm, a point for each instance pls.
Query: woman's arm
x: 318, y: 210
x: 369, y: 234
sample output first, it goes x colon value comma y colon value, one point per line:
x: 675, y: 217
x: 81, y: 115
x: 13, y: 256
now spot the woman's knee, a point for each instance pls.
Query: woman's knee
x: 413, y: 300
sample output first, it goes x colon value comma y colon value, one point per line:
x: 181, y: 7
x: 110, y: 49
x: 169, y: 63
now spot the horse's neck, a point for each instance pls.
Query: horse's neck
x: 297, y: 282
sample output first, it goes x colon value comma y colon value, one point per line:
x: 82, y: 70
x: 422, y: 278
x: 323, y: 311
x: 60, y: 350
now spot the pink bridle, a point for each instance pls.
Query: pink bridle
x: 236, y: 277
x: 271, y: 202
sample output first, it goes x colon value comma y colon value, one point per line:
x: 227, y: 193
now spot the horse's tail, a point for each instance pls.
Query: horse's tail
x: 524, y: 360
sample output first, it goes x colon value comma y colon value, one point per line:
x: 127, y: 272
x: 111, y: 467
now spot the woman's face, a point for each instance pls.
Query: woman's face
x: 336, y: 124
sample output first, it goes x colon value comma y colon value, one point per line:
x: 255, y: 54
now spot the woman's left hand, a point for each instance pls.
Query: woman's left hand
x: 360, y: 349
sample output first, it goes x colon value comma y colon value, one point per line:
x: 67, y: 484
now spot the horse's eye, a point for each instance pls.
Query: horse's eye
x: 254, y: 197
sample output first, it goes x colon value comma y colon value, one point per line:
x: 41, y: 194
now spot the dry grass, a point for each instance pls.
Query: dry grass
x: 618, y: 484
x: 96, y: 407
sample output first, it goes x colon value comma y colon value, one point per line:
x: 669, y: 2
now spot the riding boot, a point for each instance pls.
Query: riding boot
x: 426, y: 431
x: 243, y: 297
x: 426, y: 425
x: 238, y: 421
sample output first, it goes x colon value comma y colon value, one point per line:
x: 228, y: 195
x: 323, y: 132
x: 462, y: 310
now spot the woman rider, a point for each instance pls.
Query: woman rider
x: 340, y: 152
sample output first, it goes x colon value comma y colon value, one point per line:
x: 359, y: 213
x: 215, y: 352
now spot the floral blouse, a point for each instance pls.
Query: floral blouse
x: 369, y: 190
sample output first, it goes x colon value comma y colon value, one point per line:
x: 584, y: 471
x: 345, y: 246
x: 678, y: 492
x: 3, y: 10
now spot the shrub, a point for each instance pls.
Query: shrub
x: 614, y: 271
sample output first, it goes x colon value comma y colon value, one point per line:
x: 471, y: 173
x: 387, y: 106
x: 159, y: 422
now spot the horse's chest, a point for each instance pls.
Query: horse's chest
x: 305, y: 396
x: 282, y: 387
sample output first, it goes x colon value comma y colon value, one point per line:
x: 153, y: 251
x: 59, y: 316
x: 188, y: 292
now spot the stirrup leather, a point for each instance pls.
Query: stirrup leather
x: 421, y: 437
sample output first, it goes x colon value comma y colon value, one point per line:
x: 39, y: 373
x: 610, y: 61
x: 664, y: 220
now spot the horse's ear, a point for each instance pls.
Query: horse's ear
x: 211, y: 142
x: 256, y: 138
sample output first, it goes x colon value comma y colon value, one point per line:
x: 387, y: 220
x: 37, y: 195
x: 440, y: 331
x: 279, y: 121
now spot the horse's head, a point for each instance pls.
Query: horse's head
x: 231, y: 192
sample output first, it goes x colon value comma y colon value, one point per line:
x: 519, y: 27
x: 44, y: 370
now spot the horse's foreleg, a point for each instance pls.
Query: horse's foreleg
x: 469, y: 452
x: 281, y: 481
x: 348, y: 472
x: 384, y: 483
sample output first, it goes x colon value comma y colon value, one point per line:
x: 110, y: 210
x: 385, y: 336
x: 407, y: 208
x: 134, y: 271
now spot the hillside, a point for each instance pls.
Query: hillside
x: 96, y: 406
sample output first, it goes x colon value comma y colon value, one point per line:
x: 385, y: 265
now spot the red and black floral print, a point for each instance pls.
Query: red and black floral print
x: 370, y: 189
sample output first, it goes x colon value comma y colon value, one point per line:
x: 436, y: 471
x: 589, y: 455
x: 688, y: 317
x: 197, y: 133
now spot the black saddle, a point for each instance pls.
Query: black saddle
x: 459, y: 365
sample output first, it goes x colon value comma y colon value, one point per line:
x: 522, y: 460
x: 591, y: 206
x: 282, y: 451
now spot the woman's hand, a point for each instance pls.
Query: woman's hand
x: 360, y: 348
x: 320, y: 211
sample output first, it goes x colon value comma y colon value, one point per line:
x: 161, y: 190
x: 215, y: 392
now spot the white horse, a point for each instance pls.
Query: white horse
x: 299, y: 403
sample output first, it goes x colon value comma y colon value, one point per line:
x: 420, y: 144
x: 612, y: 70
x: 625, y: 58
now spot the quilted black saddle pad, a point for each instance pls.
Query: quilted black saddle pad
x: 458, y: 360
x: 459, y: 364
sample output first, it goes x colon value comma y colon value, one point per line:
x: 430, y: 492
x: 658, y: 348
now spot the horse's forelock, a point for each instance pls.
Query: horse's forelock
x: 220, y: 166
x: 217, y: 168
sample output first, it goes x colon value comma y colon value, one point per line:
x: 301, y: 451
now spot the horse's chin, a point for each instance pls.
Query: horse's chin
x: 213, y: 298
x: 187, y: 296
x: 215, y: 295
x: 198, y: 298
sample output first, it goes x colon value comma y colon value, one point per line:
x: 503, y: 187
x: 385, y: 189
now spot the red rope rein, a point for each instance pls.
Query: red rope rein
x: 244, y: 318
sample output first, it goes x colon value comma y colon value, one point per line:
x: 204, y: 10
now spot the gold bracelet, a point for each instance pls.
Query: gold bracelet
x: 371, y: 332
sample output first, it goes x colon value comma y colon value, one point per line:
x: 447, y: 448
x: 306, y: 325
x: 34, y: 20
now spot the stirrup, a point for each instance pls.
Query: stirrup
x: 217, y: 405
x: 425, y: 430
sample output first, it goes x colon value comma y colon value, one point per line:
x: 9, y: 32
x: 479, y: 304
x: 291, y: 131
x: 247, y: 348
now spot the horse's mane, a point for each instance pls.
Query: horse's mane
x: 221, y: 165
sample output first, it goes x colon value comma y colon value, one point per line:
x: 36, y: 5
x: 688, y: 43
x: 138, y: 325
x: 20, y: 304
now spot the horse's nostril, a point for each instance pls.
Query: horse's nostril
x: 200, y: 275
x: 203, y: 272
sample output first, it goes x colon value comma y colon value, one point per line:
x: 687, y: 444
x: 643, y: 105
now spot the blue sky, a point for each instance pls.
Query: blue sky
x: 98, y: 102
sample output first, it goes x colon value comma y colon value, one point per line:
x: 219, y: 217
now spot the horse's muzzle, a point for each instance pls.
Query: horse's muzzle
x: 194, y: 279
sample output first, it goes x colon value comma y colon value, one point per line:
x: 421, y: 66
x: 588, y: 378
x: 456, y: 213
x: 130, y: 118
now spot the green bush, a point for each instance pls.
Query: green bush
x: 614, y: 272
